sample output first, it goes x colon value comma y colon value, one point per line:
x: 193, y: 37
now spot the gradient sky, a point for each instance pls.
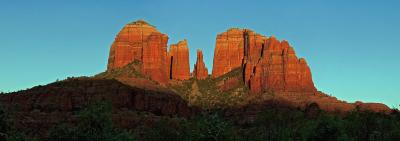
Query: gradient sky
x: 352, y: 46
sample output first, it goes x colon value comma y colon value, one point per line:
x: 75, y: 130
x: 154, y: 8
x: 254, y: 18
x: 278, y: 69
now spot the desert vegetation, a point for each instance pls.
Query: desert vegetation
x: 275, y: 124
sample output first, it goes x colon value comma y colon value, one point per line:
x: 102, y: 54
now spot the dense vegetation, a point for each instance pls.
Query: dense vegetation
x: 276, y: 124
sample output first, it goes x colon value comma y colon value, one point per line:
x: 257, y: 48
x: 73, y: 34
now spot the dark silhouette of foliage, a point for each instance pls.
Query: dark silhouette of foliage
x: 205, y: 127
x: 3, y: 125
x: 274, y: 123
x: 94, y: 123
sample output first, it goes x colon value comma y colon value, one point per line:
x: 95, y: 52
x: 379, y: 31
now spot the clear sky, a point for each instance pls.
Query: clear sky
x: 352, y: 46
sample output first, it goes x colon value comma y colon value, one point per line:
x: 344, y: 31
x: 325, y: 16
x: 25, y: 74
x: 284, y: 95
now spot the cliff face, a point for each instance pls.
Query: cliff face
x: 229, y: 52
x: 268, y: 64
x: 178, y: 61
x: 143, y: 42
x: 200, y: 70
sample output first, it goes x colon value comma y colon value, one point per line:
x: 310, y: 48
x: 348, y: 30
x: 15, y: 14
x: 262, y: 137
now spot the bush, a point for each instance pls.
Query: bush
x: 163, y: 130
x: 206, y: 127
x: 94, y: 123
x: 209, y: 127
x: 327, y: 128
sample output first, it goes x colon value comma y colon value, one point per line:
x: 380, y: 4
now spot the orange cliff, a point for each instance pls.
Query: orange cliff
x: 143, y: 42
x: 268, y: 64
x: 271, y: 66
x: 200, y: 70
x: 178, y: 61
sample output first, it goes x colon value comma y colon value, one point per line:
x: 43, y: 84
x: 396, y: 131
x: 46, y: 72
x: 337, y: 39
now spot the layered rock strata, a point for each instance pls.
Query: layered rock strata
x: 268, y: 64
x: 143, y: 42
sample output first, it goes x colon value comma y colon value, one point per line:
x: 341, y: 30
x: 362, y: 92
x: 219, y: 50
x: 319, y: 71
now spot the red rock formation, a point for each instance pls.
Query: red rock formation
x: 143, y: 42
x: 178, y: 61
x: 373, y: 107
x: 200, y: 70
x: 228, y: 53
x: 278, y: 69
x: 268, y: 64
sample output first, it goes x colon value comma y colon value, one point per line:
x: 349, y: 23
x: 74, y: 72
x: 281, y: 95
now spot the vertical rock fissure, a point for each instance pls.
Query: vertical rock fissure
x: 246, y: 44
x: 170, y: 67
x: 262, y: 49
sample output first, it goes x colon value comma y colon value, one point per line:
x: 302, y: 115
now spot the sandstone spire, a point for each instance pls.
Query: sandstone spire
x: 200, y: 71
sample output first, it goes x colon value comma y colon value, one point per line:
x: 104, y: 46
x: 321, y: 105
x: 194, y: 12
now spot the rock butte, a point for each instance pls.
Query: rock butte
x: 268, y: 65
x: 143, y: 42
x: 200, y: 70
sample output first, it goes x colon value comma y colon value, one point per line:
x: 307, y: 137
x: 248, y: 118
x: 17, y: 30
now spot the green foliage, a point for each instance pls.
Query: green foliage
x: 209, y: 127
x: 292, y: 124
x: 96, y: 119
x: 274, y: 123
x: 326, y: 128
x: 206, y: 127
x: 18, y: 136
x: 207, y: 94
x: 3, y: 123
x: 372, y: 126
x: 162, y: 130
x: 7, y: 133
x: 94, y: 123
x: 130, y: 70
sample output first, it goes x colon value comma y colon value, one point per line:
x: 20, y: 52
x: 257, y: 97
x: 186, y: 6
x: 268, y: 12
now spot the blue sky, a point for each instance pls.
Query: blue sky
x: 352, y: 47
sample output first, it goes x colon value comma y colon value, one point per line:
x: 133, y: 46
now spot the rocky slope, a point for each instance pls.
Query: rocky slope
x: 43, y: 107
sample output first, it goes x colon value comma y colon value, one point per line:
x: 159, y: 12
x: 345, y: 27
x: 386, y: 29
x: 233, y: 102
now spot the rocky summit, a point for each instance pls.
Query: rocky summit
x: 246, y: 63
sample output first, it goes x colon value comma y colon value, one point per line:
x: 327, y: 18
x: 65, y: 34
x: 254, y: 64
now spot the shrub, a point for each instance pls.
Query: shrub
x: 94, y: 123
